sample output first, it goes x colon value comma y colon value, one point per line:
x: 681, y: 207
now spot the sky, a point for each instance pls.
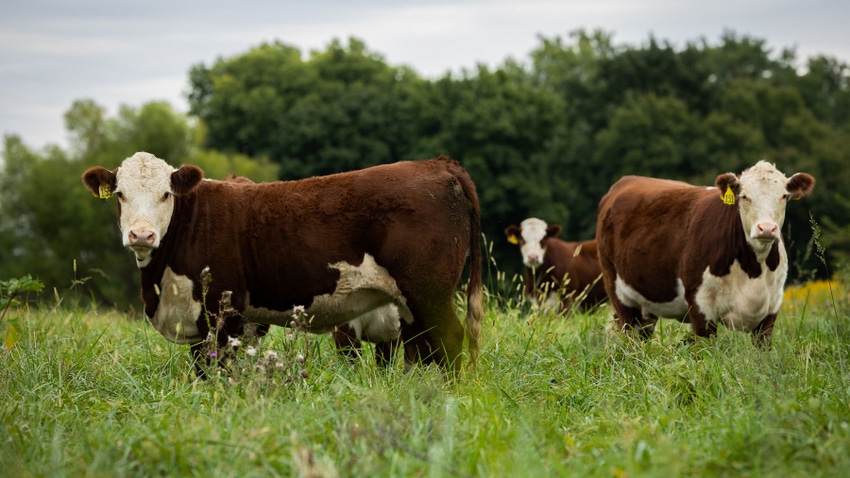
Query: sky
x: 115, y: 52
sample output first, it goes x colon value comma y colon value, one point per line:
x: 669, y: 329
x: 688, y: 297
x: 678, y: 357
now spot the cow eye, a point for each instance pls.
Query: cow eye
x: 166, y: 196
x: 119, y: 195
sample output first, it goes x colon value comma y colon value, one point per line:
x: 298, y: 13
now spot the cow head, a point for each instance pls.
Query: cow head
x: 761, y: 193
x: 145, y: 187
x: 531, y: 235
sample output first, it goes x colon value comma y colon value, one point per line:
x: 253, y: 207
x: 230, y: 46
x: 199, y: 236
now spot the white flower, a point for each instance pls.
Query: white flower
x: 250, y: 350
x: 233, y: 341
x: 297, y: 311
x: 271, y: 354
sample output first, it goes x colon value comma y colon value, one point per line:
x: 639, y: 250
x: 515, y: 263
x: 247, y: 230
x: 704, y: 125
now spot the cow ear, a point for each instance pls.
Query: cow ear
x: 729, y: 187
x: 184, y: 180
x: 512, y: 232
x: 800, y: 184
x: 100, y: 181
x: 553, y: 230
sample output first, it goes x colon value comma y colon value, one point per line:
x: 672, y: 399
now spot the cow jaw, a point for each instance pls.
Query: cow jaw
x: 146, y: 203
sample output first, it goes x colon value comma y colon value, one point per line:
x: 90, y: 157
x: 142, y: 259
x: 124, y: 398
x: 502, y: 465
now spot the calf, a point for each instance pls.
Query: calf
x: 342, y: 246
x: 557, y: 269
x: 697, y: 254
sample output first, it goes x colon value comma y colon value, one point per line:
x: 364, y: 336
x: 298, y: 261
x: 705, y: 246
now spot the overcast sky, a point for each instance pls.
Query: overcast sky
x: 117, y: 52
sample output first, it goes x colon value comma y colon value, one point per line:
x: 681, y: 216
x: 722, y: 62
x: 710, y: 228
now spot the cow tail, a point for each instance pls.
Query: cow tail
x: 474, y: 295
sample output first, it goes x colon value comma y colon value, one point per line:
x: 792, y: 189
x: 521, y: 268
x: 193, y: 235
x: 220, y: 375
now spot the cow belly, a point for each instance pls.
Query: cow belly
x: 738, y: 301
x: 177, y: 312
x: 379, y: 325
x: 675, y: 309
x: 360, y: 290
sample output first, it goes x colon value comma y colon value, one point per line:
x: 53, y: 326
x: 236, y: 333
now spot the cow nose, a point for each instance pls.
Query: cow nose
x: 533, y: 258
x: 141, y: 237
x: 766, y: 230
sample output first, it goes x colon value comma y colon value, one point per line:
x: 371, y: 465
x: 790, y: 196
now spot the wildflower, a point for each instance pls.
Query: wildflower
x: 251, y: 351
x: 297, y: 311
x: 271, y: 355
x: 233, y: 341
x: 212, y: 355
x: 300, y: 358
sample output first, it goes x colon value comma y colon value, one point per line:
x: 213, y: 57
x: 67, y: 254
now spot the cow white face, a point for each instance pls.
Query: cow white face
x: 761, y: 193
x: 531, y: 235
x: 145, y: 187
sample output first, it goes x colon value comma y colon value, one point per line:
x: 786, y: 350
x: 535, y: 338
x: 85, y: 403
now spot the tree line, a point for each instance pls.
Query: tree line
x: 544, y: 137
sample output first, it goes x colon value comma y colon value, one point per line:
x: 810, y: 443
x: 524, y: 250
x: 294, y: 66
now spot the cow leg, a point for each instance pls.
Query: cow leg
x: 435, y: 336
x: 700, y: 326
x: 632, y: 321
x: 347, y: 343
x: 199, y: 360
x: 385, y: 351
x: 763, y: 333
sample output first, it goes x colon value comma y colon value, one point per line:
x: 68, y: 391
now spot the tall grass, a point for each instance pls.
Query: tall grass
x: 95, y: 393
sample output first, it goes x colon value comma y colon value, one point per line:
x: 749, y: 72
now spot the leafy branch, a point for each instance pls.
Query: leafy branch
x: 10, y: 290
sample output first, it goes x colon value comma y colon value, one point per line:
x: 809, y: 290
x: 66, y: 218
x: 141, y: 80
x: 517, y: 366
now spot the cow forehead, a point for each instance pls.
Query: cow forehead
x: 144, y: 171
x: 763, y: 179
x: 533, y: 229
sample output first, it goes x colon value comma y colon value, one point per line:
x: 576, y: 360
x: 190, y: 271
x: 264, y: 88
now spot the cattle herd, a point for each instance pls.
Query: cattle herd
x: 377, y: 254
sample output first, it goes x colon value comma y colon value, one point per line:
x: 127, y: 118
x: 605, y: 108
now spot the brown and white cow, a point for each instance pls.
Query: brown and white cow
x: 343, y: 246
x: 557, y: 271
x: 703, y: 255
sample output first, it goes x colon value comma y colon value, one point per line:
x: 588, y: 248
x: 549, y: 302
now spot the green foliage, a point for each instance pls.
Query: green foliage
x: 10, y: 291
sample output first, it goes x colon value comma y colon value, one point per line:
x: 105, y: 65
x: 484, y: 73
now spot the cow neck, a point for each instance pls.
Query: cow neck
x: 164, y: 255
x: 727, y: 241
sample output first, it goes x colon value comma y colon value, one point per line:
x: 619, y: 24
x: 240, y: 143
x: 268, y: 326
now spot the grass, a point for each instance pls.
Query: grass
x: 93, y: 393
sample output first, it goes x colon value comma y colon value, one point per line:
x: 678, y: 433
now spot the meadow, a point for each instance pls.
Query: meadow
x: 91, y: 392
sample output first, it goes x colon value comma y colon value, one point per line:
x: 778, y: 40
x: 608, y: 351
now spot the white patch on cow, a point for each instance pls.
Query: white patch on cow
x: 533, y: 231
x: 676, y: 308
x: 738, y: 301
x: 143, y: 187
x: 379, y: 325
x: 360, y: 290
x: 177, y: 313
x: 763, y: 190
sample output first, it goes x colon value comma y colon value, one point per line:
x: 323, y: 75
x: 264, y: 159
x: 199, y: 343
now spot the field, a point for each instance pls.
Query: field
x: 95, y: 393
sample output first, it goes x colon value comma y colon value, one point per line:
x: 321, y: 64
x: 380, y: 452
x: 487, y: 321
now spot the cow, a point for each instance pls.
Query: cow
x: 343, y: 246
x: 380, y: 326
x: 558, y: 272
x: 704, y: 255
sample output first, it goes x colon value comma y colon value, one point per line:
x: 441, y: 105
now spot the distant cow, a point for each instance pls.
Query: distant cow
x: 548, y: 261
x: 703, y: 255
x: 343, y: 246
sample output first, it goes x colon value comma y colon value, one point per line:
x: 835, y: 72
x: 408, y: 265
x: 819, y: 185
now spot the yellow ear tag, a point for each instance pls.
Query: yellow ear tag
x: 512, y: 239
x: 728, y: 196
x: 105, y: 191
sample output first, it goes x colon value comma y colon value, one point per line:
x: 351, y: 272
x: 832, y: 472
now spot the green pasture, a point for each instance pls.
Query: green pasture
x: 97, y: 393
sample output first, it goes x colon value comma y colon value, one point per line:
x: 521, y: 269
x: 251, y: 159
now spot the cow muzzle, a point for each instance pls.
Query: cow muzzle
x: 141, y: 238
x: 532, y: 260
x: 766, y: 231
